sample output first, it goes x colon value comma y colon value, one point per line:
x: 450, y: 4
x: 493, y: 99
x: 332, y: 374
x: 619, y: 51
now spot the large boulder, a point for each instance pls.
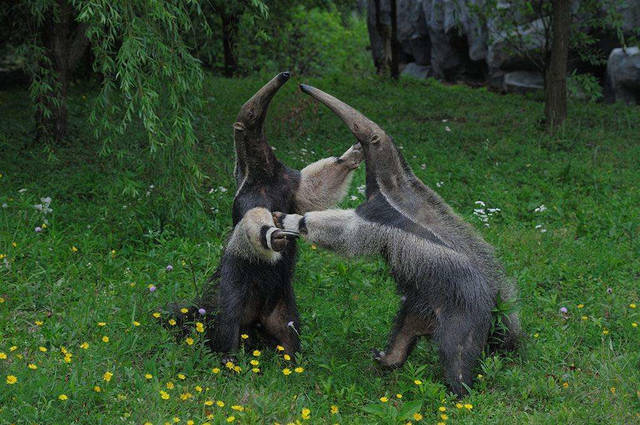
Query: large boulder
x: 415, y: 70
x: 522, y: 82
x: 623, y: 75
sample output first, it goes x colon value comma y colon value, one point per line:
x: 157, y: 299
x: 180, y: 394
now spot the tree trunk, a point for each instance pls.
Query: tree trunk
x: 229, y: 31
x: 65, y: 47
x: 395, y: 45
x: 555, y: 81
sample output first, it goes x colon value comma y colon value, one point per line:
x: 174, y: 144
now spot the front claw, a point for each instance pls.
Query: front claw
x: 381, y: 358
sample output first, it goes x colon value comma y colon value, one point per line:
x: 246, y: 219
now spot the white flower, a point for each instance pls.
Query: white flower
x: 354, y: 197
x: 480, y: 203
x: 541, y: 208
x: 423, y: 166
x: 222, y: 189
x: 446, y: 128
x: 22, y: 190
x: 362, y: 189
x: 439, y: 184
x: 538, y: 226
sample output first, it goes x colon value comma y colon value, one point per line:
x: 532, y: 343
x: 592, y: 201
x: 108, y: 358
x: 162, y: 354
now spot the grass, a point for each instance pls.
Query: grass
x: 100, y: 250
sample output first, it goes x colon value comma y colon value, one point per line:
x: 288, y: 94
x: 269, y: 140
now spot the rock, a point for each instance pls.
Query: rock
x: 502, y: 55
x: 623, y: 75
x: 414, y: 70
x: 522, y: 82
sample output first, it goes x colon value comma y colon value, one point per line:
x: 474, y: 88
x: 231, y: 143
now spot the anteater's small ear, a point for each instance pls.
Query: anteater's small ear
x: 238, y: 126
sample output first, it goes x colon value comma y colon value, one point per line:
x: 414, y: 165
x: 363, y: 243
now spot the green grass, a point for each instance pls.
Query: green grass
x: 569, y: 370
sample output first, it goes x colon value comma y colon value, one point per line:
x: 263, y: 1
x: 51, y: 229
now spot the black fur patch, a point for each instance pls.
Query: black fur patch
x: 263, y: 236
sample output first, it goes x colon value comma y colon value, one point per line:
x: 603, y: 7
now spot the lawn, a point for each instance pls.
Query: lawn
x: 80, y: 341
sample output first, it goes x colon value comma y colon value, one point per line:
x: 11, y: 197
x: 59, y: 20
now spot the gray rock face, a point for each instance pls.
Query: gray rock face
x: 522, y: 82
x: 451, y: 37
x: 415, y: 70
x: 623, y: 74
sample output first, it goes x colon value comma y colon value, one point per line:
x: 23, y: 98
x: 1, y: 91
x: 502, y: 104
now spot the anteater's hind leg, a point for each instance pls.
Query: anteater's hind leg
x: 461, y: 337
x: 283, y: 323
x: 407, y: 328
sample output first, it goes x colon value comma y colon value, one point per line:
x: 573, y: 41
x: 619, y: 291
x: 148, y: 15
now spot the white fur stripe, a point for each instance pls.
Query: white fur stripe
x: 268, y: 236
x: 291, y: 222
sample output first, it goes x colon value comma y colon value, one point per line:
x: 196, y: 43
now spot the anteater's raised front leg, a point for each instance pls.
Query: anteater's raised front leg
x: 408, y: 326
x: 325, y: 182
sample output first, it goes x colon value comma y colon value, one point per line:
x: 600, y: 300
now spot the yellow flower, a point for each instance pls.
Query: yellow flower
x: 136, y: 323
x: 440, y: 423
x: 181, y: 376
x: 105, y: 338
x: 220, y: 403
x: 580, y: 305
x: 189, y: 341
x: 398, y: 395
x: 43, y: 349
x: 605, y: 331
x: 14, y: 348
x: 190, y: 422
x: 459, y: 405
x: 215, y: 370
x: 38, y: 322
x: 84, y: 345
x: 32, y: 366
x: 468, y: 406
x: 632, y: 305
x: 480, y: 376
x: 74, y: 249
x: 238, y: 408
x: 417, y: 382
x: 299, y: 369
x: 67, y: 358
x: 176, y: 419
x: 306, y: 412
x: 148, y: 423
x: 184, y: 310
x: 244, y: 336
x: 254, y: 362
x: 313, y: 246
x: 535, y: 335
x: 165, y: 395
x: 62, y: 397
x: 384, y: 399
x: 442, y: 409
x: 584, y: 318
x: 13, y: 244
x: 286, y: 357
x: 208, y: 403
x: 417, y: 416
x: 1, y: 300
x: 3, y: 356
x: 185, y: 396
x: 279, y: 348
x: 198, y: 388
x: 172, y: 322
x: 156, y: 315
x: 237, y: 369
x: 113, y: 252
x: 229, y: 365
x: 444, y: 417
x: 255, y: 369
x: 286, y: 371
x: 11, y: 379
x: 256, y: 353
x: 565, y: 385
x: 334, y: 409
x: 148, y: 376
x: 634, y: 324
x: 170, y: 385
x: 231, y: 419
x: 613, y: 390
x: 199, y: 327
x: 107, y: 376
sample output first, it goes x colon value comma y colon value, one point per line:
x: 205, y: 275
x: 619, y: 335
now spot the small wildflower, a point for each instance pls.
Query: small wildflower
x: 169, y: 267
x: 184, y: 310
x: 237, y: 408
x: 605, y: 332
x: 135, y: 323
x: 584, y: 318
x: 398, y: 396
x: 182, y: 376
x: 3, y: 356
x: 39, y: 322
x: 565, y: 385
x: 563, y: 310
x: 257, y: 353
x: 190, y: 422
x: 156, y: 315
x: 185, y: 396
x: 152, y: 288
x: 84, y: 345
x: 299, y: 369
x: 255, y: 370
x: 229, y: 365
x: 442, y: 409
x: 11, y: 379
x: 220, y: 403
x: 444, y: 417
x: 105, y: 338
x: 202, y: 311
x: 613, y: 390
x: 286, y: 371
x: 43, y: 349
x: 170, y: 385
x: 14, y: 348
x: 102, y: 324
x: 62, y: 397
x: 113, y: 252
x: 306, y: 413
x: 176, y: 419
x: 634, y: 324
x: 480, y: 376
x: 215, y: 370
x: 244, y: 336
x: 459, y: 406
x: 632, y: 305
x: 231, y: 419
x: 189, y: 341
x: 417, y: 382
x: 384, y: 399
x: 107, y: 376
x: 38, y: 229
x: 97, y: 389
x: 468, y: 406
x: 208, y: 403
x: 417, y: 416
x: 199, y: 327
x: 148, y: 376
x: 254, y: 362
x: 237, y: 369
x: 164, y: 395
x: 580, y: 305
x: 172, y: 322
x: 279, y: 348
x: 334, y: 409
x: 1, y: 300
x: 286, y: 357
x: 535, y: 335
